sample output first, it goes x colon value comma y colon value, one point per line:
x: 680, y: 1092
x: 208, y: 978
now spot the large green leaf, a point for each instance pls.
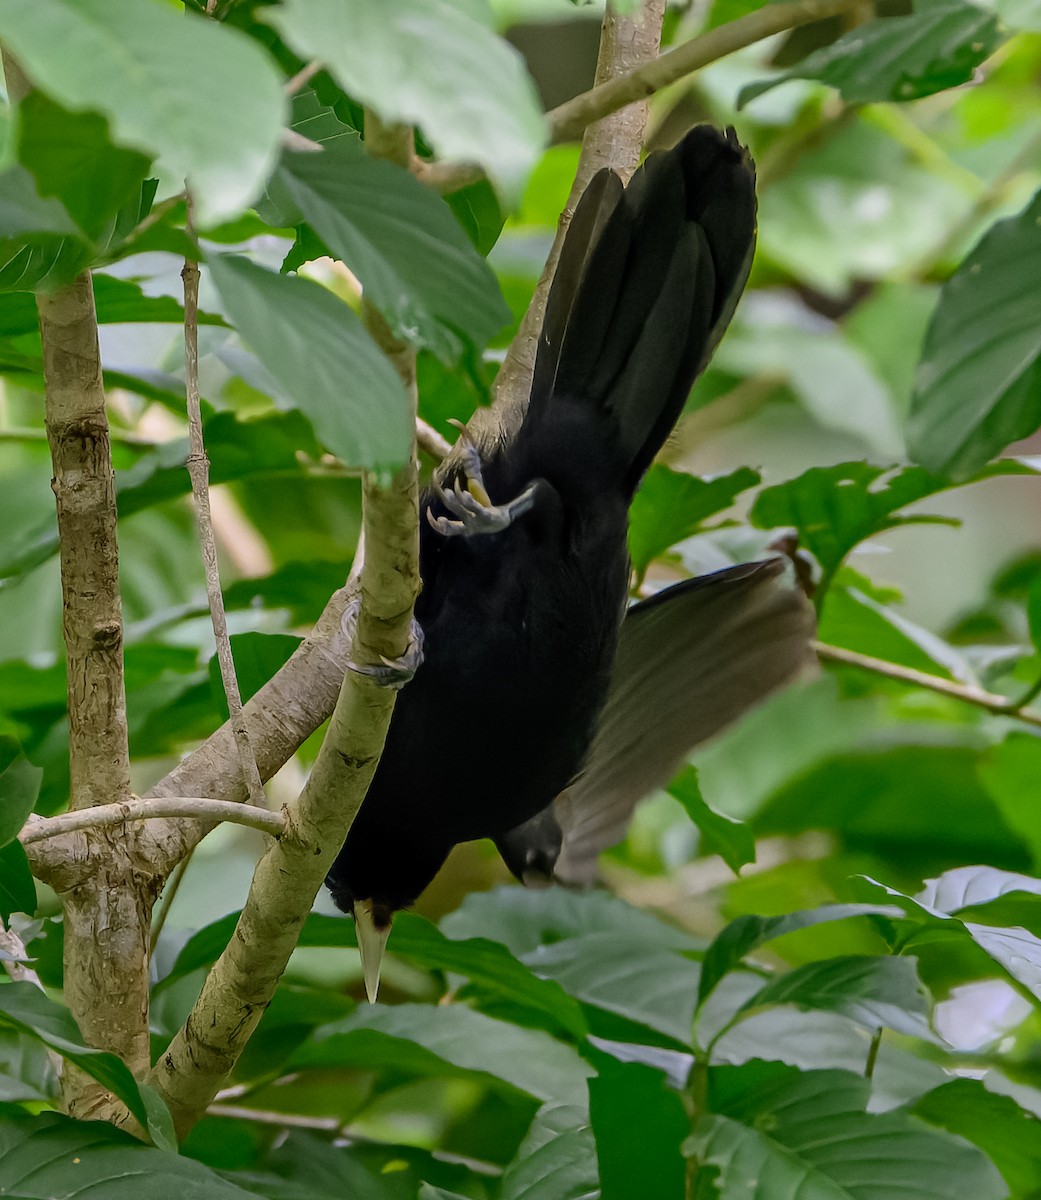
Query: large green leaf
x: 639, y: 1123
x: 415, y: 263
x: 938, y: 46
x: 444, y: 1041
x: 871, y: 991
x: 835, y: 508
x: 557, y: 1158
x: 775, y: 1132
x: 731, y: 839
x: 671, y: 506
x: 1011, y: 773
x: 1010, y: 1137
x: 744, y: 934
x: 428, y: 63
x: 322, y: 360
x: 73, y: 159
x: 27, y: 1008
x: 19, y: 787
x: 17, y: 889
x: 979, y: 379
x: 49, y: 1155
x: 478, y: 959
x: 201, y: 97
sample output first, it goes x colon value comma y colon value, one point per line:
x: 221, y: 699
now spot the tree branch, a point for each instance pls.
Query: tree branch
x: 568, y: 120
x: 106, y: 921
x: 38, y: 829
x: 288, y: 876
x: 991, y: 701
x: 199, y: 473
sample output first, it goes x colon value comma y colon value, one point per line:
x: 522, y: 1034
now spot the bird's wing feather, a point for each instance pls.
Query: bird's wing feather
x: 690, y: 660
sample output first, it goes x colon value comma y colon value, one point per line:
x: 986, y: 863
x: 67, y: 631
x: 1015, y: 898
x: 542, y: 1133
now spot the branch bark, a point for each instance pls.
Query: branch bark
x: 236, y: 992
x: 103, y: 816
x: 568, y: 120
x: 106, y: 921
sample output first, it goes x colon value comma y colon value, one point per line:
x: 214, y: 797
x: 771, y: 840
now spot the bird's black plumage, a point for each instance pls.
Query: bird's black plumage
x: 522, y: 624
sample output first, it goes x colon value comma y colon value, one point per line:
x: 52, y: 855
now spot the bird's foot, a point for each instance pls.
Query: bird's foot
x: 392, y: 673
x: 471, y: 505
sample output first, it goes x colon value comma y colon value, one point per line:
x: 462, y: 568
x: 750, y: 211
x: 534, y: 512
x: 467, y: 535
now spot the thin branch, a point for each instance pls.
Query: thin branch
x: 199, y: 472
x: 302, y: 78
x: 284, y: 1120
x: 239, y: 987
x: 104, y: 816
x: 568, y: 120
x: 165, y: 903
x: 991, y: 701
x: 431, y: 441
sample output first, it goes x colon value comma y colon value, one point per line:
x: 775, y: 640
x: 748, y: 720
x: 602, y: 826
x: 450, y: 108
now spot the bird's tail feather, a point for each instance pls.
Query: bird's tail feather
x: 648, y: 281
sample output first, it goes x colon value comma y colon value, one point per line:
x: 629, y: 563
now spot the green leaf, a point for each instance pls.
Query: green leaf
x: 323, y: 360
x: 1034, y: 612
x: 478, y: 959
x: 835, y: 508
x: 525, y: 918
x: 72, y: 158
x: 50, y: 1155
x: 869, y: 990
x: 872, y: 799
x: 27, y: 1008
x: 979, y: 378
x: 1010, y: 1137
x: 639, y: 1123
x: 671, y: 506
x: 775, y: 1132
x: 731, y: 839
x: 609, y: 972
x: 938, y: 46
x: 1011, y: 773
x: 414, y: 262
x: 128, y: 62
x: 556, y: 1159
x: 746, y: 933
x: 427, y: 63
x: 19, y: 787
x: 17, y: 889
x: 448, y: 1040
x: 856, y: 621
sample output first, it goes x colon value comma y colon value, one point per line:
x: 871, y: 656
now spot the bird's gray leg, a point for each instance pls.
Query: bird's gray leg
x: 471, y: 505
x: 394, y: 673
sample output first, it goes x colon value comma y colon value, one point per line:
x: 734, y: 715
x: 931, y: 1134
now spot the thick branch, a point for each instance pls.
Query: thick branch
x: 568, y: 120
x: 288, y: 877
x: 104, y: 816
x: 106, y: 917
x: 991, y: 701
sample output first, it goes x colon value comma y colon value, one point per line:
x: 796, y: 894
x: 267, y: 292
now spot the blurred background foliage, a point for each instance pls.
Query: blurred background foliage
x: 885, y: 155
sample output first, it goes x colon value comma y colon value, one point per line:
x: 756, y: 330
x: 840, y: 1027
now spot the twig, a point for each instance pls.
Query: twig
x: 568, y: 120
x: 430, y: 441
x: 302, y: 78
x: 165, y: 903
x: 284, y: 1120
x: 288, y: 876
x: 104, y: 816
x: 199, y: 471
x: 991, y: 701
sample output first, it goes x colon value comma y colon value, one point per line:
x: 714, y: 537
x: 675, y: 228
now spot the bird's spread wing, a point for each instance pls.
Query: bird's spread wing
x: 690, y: 661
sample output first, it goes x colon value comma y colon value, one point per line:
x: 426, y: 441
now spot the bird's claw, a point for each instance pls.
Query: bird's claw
x: 467, y: 499
x: 392, y: 673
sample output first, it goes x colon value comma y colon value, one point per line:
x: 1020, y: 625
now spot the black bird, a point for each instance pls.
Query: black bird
x: 542, y: 710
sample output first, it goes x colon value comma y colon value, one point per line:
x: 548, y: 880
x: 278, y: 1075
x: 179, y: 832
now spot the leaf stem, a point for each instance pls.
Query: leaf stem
x: 991, y: 701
